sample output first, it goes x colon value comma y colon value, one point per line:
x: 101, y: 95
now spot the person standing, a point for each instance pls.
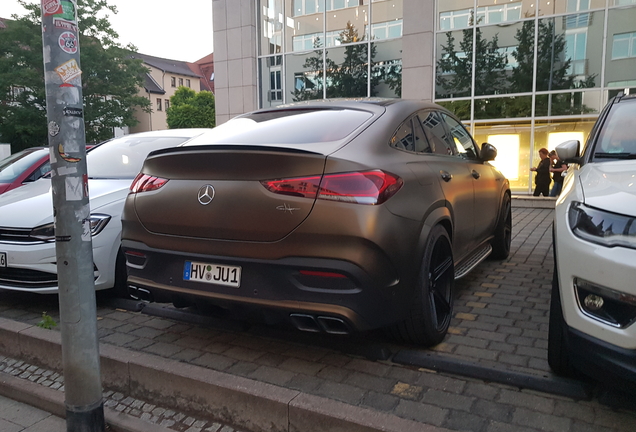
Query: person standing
x: 542, y: 180
x: 557, y: 169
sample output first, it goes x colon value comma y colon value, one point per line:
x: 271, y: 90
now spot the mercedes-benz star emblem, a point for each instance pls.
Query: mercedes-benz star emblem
x: 206, y: 194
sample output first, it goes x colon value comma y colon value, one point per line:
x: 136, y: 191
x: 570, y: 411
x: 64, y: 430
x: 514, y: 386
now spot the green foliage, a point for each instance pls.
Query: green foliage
x: 110, y: 79
x: 189, y: 109
x: 47, y: 322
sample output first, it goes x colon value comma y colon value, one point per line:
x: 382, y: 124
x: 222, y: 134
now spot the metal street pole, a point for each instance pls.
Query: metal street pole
x: 71, y: 209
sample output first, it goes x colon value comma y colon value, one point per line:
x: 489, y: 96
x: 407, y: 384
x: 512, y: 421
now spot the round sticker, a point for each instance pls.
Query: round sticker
x: 68, y: 42
x: 54, y: 128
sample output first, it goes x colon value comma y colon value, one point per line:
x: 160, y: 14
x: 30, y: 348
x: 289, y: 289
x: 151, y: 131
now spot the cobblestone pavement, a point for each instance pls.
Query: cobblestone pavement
x: 500, y: 322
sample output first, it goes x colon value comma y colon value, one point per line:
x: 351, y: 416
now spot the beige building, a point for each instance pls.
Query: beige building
x: 163, y: 80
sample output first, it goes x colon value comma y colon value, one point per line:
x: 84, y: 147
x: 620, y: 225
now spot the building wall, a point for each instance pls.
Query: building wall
x: 156, y: 120
x: 235, y: 89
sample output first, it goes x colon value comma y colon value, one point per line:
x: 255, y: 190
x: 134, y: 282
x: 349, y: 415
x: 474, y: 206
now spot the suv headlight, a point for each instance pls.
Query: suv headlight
x: 47, y: 232
x: 602, y: 227
x: 43, y: 232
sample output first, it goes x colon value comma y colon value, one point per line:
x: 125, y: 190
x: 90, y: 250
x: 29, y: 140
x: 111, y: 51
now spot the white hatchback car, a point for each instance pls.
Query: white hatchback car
x: 593, y: 309
x: 27, y: 240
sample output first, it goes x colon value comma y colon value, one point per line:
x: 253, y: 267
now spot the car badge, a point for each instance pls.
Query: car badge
x: 206, y: 194
x: 286, y: 208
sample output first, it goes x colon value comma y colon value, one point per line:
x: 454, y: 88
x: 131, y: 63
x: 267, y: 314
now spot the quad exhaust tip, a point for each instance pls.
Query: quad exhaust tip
x: 320, y: 324
x: 140, y: 294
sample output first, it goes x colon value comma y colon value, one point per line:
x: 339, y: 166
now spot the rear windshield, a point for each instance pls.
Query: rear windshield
x: 14, y: 165
x: 288, y: 127
x: 122, y: 158
x: 617, y: 138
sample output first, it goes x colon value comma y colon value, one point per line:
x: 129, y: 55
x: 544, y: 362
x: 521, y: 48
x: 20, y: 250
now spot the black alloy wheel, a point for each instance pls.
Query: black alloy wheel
x: 503, y: 232
x: 428, y: 320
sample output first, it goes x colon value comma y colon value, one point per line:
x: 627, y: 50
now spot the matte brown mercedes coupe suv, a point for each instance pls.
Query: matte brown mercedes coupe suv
x: 338, y: 216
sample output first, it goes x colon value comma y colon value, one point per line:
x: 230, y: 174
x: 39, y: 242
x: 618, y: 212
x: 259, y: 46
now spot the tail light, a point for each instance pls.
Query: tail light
x: 145, y: 183
x: 366, y: 187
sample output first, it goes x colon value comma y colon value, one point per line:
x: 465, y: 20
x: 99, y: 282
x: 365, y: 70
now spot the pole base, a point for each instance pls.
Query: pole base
x: 85, y: 420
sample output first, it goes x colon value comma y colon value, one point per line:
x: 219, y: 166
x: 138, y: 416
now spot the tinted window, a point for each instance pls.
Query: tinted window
x: 435, y: 132
x: 13, y: 166
x: 617, y: 138
x: 403, y: 138
x: 463, y: 143
x: 123, y: 157
x: 421, y: 142
x: 289, y: 127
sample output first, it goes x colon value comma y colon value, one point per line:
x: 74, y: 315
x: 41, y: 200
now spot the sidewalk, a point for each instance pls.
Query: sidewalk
x: 19, y: 417
x: 262, y: 378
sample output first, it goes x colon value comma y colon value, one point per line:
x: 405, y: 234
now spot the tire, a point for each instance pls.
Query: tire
x: 558, y: 351
x: 120, y: 289
x: 430, y: 316
x: 503, y: 233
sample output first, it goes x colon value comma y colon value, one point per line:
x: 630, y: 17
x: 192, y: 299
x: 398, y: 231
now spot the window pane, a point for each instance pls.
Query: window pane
x: 270, y: 23
x: 512, y: 141
x: 435, y: 132
x: 571, y: 103
x: 304, y: 31
x: 270, y: 74
x: 290, y: 127
x: 503, y: 107
x: 347, y: 26
x: 347, y: 71
x: 403, y: 138
x: 621, y: 52
x: 386, y: 73
x: 304, y: 76
x: 454, y: 15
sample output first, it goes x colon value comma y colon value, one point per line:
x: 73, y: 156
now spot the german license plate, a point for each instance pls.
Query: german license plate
x: 3, y: 259
x: 212, y: 273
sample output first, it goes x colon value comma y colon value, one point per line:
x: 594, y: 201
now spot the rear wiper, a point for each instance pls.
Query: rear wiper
x: 615, y: 155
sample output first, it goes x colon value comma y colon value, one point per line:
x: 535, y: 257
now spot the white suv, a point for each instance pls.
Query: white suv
x: 593, y: 307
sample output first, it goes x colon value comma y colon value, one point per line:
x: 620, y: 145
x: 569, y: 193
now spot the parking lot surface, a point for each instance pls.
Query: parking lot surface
x: 490, y: 374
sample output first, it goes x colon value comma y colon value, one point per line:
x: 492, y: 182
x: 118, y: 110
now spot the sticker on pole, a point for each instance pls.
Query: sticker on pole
x: 64, y: 24
x: 68, y: 11
x: 52, y: 7
x: 68, y: 42
x: 54, y: 128
x: 68, y: 71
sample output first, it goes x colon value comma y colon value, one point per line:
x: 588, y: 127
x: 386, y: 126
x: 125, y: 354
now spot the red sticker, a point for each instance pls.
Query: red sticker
x: 52, y: 7
x: 68, y: 42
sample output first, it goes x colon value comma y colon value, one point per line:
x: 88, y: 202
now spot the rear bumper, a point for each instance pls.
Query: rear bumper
x: 275, y: 288
x: 601, y: 360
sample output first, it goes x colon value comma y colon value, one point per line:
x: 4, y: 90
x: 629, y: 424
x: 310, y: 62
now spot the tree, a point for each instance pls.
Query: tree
x: 189, y: 109
x: 110, y: 79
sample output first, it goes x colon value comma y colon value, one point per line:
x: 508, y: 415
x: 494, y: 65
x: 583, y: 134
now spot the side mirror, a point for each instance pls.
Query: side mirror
x: 569, y: 151
x: 488, y: 152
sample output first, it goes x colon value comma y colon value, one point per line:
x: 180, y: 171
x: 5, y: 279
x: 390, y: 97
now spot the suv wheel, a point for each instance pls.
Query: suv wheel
x: 503, y: 232
x: 558, y: 352
x: 432, y: 309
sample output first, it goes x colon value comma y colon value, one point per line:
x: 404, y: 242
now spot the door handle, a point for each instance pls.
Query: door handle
x: 475, y: 174
x: 446, y: 176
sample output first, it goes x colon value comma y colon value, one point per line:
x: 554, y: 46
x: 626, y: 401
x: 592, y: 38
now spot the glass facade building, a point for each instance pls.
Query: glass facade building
x: 521, y: 74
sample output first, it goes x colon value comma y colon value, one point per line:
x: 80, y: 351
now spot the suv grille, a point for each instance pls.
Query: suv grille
x: 17, y: 235
x: 26, y: 278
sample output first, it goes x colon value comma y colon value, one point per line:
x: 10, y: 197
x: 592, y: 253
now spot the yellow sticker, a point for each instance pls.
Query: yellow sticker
x: 68, y: 71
